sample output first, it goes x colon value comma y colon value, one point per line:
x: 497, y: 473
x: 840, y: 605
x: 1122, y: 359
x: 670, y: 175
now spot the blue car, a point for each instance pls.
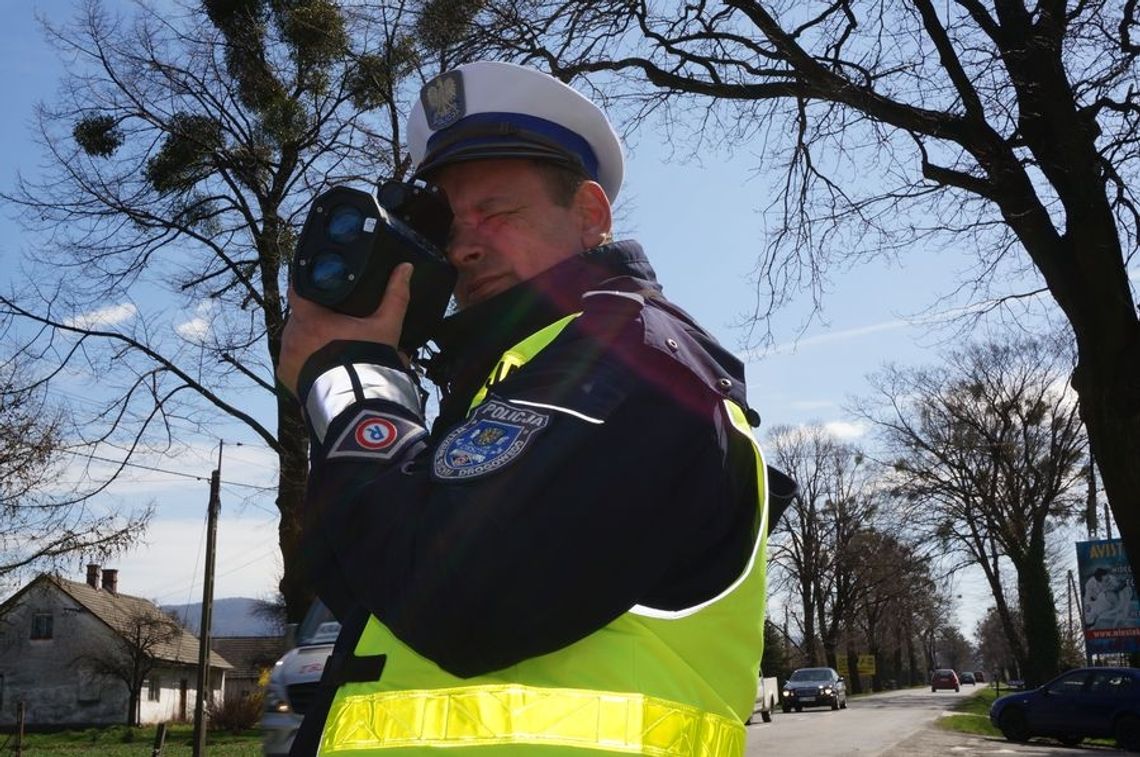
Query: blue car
x: 1080, y: 704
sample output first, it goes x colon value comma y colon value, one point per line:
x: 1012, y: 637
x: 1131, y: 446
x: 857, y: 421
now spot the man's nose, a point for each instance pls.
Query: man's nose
x: 465, y: 247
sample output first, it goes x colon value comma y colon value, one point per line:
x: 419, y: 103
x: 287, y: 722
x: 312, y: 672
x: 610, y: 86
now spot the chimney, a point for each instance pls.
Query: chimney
x: 111, y: 580
x: 93, y: 575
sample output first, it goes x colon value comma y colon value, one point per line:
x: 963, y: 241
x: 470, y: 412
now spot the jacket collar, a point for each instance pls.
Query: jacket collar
x: 473, y: 339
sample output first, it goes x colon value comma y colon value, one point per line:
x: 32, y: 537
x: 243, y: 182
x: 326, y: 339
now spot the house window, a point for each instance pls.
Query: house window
x: 153, y: 689
x: 42, y: 625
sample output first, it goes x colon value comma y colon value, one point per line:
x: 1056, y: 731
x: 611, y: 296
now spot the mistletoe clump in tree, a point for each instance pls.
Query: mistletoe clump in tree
x: 182, y: 155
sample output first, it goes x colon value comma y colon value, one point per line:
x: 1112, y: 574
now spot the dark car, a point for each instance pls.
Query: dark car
x: 1080, y: 704
x: 980, y: 676
x: 813, y: 687
x: 966, y: 677
x: 944, y: 678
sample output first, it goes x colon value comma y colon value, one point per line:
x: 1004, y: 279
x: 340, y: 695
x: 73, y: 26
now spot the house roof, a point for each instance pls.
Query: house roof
x: 119, y: 612
x: 248, y: 654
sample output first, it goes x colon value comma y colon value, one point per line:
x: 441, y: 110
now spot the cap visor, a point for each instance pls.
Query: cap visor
x: 487, y: 151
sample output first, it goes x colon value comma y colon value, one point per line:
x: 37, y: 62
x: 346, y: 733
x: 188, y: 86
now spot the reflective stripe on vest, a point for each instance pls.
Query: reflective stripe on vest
x: 513, y: 714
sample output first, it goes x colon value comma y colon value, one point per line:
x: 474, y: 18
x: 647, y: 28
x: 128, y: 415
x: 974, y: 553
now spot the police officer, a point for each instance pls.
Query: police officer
x: 572, y: 560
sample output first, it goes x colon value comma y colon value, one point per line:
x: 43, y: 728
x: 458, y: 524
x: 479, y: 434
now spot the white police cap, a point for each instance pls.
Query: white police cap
x: 491, y: 109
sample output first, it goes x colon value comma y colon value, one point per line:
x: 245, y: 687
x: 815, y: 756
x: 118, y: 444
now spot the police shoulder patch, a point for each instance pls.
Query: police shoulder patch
x: 496, y: 434
x: 374, y: 436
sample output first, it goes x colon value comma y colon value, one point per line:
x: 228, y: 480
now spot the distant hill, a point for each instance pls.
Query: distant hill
x: 233, y: 616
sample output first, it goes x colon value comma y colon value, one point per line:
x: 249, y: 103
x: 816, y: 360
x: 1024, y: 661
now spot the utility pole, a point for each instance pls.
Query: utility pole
x: 1090, y: 508
x: 207, y: 609
x: 1069, y: 602
x: 1075, y: 592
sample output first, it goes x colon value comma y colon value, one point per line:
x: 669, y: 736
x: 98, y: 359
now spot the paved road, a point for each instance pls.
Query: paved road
x: 890, y: 724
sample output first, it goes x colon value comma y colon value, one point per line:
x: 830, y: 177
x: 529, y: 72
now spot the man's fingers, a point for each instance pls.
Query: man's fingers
x: 397, y: 295
x: 311, y: 326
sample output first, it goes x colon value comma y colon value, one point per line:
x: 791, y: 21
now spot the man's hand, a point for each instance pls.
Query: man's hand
x: 310, y: 326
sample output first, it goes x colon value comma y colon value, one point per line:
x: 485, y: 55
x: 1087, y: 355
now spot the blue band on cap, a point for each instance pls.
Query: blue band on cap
x: 492, y: 128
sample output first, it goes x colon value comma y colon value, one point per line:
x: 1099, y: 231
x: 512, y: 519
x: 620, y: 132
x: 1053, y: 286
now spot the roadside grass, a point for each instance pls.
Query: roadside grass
x: 121, y: 741
x: 972, y: 714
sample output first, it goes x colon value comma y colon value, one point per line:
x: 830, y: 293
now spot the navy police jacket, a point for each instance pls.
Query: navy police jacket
x: 631, y: 490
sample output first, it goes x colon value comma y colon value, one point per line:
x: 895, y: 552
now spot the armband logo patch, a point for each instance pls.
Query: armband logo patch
x: 373, y: 436
x: 496, y: 434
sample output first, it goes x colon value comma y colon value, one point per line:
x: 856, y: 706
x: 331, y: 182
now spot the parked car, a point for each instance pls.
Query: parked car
x: 767, y: 697
x: 293, y: 680
x: 812, y: 687
x: 944, y: 678
x: 979, y: 676
x: 1083, y: 703
x: 966, y: 677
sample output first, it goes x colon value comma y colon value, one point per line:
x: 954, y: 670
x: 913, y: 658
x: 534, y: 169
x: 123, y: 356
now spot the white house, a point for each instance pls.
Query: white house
x: 67, y: 649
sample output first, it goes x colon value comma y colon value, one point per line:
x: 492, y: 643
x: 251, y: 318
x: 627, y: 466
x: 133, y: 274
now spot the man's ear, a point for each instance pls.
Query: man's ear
x: 594, y: 214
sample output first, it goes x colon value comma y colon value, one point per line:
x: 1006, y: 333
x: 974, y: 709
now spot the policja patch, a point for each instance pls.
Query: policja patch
x: 496, y: 434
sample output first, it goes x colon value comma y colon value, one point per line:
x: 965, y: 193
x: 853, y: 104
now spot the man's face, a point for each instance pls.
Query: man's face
x: 507, y: 227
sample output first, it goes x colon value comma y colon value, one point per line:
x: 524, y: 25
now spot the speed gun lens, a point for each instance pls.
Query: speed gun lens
x: 329, y: 272
x: 345, y: 224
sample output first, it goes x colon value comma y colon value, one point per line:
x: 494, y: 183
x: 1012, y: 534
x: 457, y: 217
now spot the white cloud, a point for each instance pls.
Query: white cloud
x: 108, y: 316
x: 818, y: 339
x: 809, y: 405
x: 169, y: 566
x: 844, y: 335
x: 193, y: 330
x: 845, y: 430
x: 196, y: 329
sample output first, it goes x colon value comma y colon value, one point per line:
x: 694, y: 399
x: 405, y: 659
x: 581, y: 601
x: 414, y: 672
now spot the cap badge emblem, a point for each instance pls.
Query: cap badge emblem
x: 443, y: 100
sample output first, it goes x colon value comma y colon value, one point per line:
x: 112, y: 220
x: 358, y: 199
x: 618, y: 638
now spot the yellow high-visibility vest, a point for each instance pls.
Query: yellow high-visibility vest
x: 652, y: 682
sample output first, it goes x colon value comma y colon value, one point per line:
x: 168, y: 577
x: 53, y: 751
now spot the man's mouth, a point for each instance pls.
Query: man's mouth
x: 481, y: 288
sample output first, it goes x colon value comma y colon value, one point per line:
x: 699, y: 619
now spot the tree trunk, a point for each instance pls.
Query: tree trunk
x: 911, y: 658
x: 1107, y: 381
x: 133, y: 706
x: 810, y: 658
x: 1009, y: 628
x: 293, y: 440
x: 1038, y: 610
x: 296, y: 588
x: 854, y: 685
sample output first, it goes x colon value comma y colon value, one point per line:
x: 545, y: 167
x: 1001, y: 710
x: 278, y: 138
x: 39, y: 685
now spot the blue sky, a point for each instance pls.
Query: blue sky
x: 701, y: 224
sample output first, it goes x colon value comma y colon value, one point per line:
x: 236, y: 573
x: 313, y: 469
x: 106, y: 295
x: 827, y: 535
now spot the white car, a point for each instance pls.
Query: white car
x: 767, y: 698
x: 293, y: 682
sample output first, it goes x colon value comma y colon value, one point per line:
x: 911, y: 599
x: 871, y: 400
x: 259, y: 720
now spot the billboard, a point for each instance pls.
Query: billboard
x: 1110, y: 607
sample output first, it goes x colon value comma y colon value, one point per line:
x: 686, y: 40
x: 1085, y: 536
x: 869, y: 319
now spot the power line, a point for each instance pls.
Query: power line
x: 181, y: 474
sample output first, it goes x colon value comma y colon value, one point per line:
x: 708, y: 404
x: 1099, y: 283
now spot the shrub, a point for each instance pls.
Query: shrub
x: 235, y: 714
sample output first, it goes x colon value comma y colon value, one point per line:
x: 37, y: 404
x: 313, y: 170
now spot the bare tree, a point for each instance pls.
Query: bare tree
x: 993, y: 643
x: 812, y: 542
x: 132, y: 653
x: 1009, y: 129
x: 954, y: 651
x: 892, y: 580
x: 987, y: 452
x: 182, y: 155
x: 42, y: 521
